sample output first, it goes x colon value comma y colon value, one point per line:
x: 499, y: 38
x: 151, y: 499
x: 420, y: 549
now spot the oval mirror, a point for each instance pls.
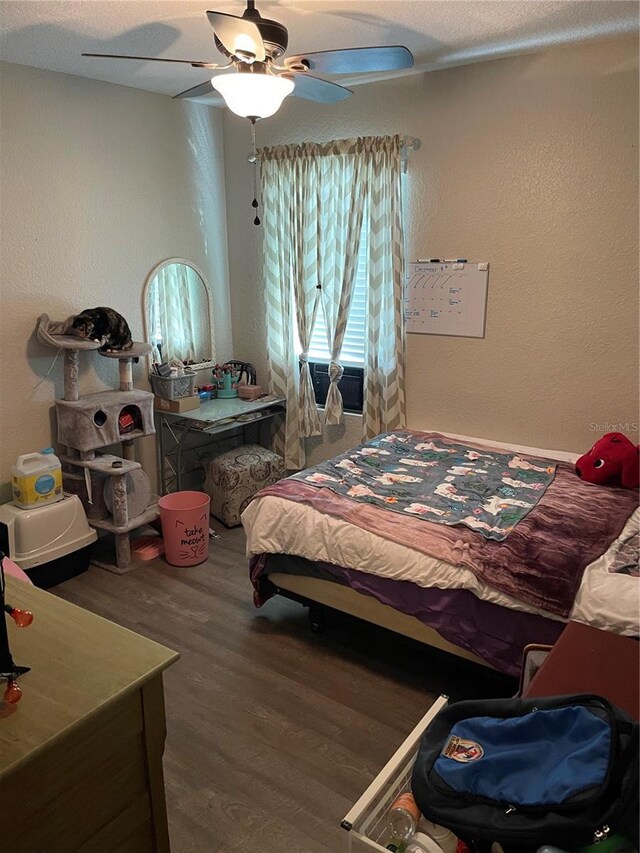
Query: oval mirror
x: 176, y: 307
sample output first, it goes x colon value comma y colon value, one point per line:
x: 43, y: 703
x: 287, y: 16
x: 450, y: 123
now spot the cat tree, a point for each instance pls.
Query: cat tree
x: 116, y: 493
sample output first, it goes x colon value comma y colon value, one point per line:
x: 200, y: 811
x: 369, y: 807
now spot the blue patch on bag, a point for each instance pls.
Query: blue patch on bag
x: 542, y: 758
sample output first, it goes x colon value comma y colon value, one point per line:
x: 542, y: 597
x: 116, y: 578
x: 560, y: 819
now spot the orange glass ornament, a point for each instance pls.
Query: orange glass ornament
x: 13, y: 693
x: 22, y: 618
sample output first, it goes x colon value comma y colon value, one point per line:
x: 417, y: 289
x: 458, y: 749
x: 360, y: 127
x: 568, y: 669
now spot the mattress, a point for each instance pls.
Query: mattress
x: 606, y: 600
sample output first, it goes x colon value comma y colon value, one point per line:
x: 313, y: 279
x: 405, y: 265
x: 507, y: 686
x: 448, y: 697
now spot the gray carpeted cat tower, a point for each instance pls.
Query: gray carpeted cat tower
x: 115, y: 490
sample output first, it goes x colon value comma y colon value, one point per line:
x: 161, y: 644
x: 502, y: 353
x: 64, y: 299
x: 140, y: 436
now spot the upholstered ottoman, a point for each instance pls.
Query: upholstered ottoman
x: 233, y: 477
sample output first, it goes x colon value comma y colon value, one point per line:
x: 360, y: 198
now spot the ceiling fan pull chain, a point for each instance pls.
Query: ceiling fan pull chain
x: 254, y: 160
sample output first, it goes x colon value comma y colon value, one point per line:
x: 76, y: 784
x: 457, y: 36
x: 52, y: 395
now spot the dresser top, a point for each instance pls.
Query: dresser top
x: 79, y: 663
x: 588, y: 660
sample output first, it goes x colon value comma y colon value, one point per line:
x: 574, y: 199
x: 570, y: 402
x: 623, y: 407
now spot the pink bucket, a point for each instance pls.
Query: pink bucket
x: 185, y: 527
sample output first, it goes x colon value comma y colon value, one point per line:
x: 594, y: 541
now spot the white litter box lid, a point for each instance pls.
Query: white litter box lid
x: 43, y: 534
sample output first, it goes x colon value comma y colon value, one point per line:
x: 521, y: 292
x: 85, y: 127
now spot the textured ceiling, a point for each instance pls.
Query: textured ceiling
x: 440, y: 33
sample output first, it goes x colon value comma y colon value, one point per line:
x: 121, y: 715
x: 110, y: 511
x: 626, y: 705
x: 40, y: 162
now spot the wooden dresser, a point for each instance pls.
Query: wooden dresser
x: 81, y: 755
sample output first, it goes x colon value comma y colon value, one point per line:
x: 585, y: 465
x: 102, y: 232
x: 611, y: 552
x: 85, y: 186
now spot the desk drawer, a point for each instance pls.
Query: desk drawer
x: 366, y: 822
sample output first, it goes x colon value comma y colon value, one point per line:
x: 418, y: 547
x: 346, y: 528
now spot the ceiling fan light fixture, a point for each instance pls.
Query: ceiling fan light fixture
x: 253, y: 95
x: 245, y: 48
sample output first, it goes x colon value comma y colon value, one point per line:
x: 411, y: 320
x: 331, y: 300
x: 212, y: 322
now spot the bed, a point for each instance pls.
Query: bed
x: 469, y: 587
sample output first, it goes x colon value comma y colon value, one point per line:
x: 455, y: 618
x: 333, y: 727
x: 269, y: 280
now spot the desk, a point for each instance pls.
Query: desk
x: 81, y: 754
x: 587, y: 660
x: 179, y: 434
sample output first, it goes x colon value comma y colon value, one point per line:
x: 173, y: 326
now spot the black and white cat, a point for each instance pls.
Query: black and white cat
x: 105, y: 325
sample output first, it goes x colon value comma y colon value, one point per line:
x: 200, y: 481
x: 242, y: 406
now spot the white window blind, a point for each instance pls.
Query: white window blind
x: 352, y: 354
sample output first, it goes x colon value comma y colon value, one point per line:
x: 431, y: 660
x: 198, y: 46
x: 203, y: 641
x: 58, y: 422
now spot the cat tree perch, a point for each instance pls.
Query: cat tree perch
x: 92, y: 421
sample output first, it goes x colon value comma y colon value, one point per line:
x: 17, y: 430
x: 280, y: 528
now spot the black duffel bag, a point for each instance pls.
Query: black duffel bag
x: 561, y: 770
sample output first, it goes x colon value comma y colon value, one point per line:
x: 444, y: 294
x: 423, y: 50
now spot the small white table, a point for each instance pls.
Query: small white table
x: 178, y: 433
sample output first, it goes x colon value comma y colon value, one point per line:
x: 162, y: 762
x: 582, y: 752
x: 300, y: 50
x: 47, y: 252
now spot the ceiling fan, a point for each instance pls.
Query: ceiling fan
x: 253, y: 45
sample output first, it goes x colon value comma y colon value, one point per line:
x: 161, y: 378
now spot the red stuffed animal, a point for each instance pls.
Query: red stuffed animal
x: 612, y: 457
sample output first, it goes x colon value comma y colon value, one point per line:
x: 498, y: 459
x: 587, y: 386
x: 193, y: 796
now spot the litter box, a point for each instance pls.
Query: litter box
x: 50, y: 543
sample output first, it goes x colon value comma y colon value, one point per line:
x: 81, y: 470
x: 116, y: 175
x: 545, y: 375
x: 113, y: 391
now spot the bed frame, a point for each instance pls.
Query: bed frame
x: 312, y: 592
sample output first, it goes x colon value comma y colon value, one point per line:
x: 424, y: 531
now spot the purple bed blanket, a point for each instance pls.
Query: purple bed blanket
x: 496, y: 634
x: 542, y: 560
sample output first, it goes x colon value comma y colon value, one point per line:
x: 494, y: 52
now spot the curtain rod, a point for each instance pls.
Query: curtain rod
x: 409, y: 143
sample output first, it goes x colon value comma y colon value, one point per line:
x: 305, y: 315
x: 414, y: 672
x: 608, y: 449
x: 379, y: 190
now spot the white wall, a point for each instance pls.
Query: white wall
x: 98, y: 183
x: 530, y: 163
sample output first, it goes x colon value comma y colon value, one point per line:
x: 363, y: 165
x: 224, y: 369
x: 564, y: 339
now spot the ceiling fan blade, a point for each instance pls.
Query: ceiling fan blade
x: 321, y: 91
x: 354, y: 60
x: 240, y: 37
x: 191, y: 62
x: 196, y: 91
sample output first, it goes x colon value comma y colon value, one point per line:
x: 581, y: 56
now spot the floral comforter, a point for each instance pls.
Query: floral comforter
x: 439, y: 481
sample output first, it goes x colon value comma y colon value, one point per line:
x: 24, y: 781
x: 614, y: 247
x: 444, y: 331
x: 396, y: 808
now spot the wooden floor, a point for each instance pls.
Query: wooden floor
x: 273, y: 731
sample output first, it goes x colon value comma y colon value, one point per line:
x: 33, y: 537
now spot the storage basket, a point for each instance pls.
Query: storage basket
x: 172, y: 387
x: 367, y: 822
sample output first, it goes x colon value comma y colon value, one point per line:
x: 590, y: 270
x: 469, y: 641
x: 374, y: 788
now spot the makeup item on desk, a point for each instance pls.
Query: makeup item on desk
x: 227, y: 388
x: 250, y: 392
x: 207, y: 392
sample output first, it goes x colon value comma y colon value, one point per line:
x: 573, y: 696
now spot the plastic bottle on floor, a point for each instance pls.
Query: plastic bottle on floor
x: 404, y: 815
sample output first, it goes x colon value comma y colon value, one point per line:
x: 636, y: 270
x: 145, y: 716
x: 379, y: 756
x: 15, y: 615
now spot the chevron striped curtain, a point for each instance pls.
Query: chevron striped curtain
x: 384, y: 405
x: 315, y: 198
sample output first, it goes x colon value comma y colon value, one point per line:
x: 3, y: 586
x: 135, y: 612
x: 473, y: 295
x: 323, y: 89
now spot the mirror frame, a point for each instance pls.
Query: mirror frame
x: 203, y: 365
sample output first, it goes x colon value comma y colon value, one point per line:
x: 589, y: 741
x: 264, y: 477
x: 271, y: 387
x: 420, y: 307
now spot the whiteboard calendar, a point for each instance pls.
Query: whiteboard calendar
x: 446, y: 299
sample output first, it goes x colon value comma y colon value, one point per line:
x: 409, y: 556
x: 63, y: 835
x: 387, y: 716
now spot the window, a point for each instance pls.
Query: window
x: 352, y: 355
x: 351, y: 386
